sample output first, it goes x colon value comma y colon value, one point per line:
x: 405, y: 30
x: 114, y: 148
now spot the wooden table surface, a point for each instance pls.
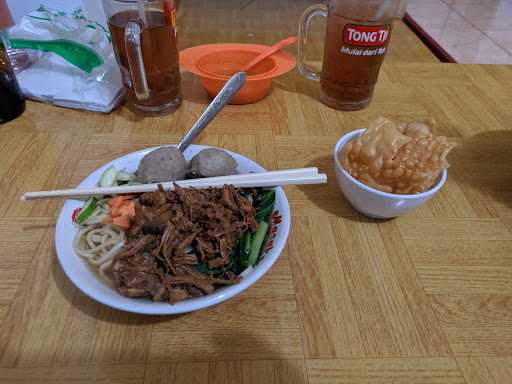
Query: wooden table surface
x: 425, y: 298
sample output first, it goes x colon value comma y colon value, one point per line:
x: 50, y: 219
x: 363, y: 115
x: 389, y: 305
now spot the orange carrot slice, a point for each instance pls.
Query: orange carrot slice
x: 117, y: 201
x: 122, y: 221
x: 127, y: 209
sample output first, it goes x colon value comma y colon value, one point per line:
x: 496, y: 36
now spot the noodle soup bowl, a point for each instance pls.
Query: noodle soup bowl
x: 370, y: 201
x: 87, y: 279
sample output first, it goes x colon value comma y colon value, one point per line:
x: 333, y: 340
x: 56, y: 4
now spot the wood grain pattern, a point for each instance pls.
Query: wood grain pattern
x: 424, y: 319
x: 341, y: 313
x: 508, y: 223
x: 383, y: 314
x: 243, y: 328
x: 500, y: 368
x: 384, y: 371
x: 115, y: 374
x: 313, y: 307
x: 228, y: 372
x: 480, y: 341
x: 452, y: 252
x: 475, y: 370
x: 425, y: 298
x: 466, y: 280
x: 473, y: 310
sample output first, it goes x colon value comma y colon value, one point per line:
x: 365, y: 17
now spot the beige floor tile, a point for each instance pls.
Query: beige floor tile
x: 490, y: 15
x: 475, y: 2
x: 502, y: 38
x: 458, y: 28
x: 432, y: 13
x: 485, y: 51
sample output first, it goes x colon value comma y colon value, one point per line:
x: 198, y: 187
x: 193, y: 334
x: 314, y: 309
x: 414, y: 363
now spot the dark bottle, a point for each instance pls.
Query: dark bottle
x: 12, y: 102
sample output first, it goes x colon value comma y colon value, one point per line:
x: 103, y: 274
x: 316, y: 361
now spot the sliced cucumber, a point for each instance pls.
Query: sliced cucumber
x: 125, y: 176
x: 109, y: 178
x: 257, y: 243
x: 86, y: 211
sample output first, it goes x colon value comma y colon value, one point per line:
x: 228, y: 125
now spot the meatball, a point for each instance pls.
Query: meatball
x: 212, y: 162
x: 162, y: 164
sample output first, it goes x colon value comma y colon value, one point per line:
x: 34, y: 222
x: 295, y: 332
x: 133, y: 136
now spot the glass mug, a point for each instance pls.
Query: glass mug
x: 144, y: 41
x: 356, y: 40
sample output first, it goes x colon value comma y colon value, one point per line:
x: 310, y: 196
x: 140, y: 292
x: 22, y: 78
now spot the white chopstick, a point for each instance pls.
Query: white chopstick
x: 264, y: 179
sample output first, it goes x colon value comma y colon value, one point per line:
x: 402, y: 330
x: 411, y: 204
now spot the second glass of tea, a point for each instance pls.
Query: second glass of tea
x: 356, y: 42
x: 144, y: 41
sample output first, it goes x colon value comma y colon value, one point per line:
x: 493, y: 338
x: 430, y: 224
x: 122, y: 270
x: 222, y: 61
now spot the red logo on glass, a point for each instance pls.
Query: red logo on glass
x: 365, y: 35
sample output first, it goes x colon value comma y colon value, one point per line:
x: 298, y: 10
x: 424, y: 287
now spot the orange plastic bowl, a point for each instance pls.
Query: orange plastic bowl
x: 215, y: 63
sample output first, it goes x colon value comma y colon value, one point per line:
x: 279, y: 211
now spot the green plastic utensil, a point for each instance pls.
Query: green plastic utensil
x: 77, y: 54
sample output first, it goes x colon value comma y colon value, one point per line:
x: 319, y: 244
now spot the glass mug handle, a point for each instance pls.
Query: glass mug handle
x: 305, y: 20
x: 132, y: 43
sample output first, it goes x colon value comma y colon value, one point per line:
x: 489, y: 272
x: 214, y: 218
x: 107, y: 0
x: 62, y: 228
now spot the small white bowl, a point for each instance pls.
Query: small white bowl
x: 372, y: 202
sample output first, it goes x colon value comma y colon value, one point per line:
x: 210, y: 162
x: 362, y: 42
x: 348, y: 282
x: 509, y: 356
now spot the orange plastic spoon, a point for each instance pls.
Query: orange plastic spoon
x: 270, y: 51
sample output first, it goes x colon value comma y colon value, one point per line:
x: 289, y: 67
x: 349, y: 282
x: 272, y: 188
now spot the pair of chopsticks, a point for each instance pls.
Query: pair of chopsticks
x: 299, y: 176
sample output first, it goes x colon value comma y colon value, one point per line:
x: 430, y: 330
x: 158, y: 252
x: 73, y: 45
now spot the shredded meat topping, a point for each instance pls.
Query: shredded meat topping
x: 174, y: 231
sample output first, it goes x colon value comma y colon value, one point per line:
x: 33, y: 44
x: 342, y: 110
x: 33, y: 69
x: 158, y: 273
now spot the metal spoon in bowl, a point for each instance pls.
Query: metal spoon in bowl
x: 227, y: 92
x: 270, y: 51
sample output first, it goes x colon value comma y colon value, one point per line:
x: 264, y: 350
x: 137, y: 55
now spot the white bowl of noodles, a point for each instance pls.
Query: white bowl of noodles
x: 87, y: 279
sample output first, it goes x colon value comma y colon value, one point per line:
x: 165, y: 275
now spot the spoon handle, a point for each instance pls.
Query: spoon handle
x: 270, y: 51
x: 226, y: 93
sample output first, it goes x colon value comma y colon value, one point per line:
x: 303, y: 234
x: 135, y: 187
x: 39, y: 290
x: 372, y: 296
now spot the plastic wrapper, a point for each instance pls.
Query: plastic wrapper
x: 72, y: 63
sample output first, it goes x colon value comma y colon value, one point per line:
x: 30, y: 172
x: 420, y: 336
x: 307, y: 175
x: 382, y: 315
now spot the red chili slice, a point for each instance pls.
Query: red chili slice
x: 75, y: 214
